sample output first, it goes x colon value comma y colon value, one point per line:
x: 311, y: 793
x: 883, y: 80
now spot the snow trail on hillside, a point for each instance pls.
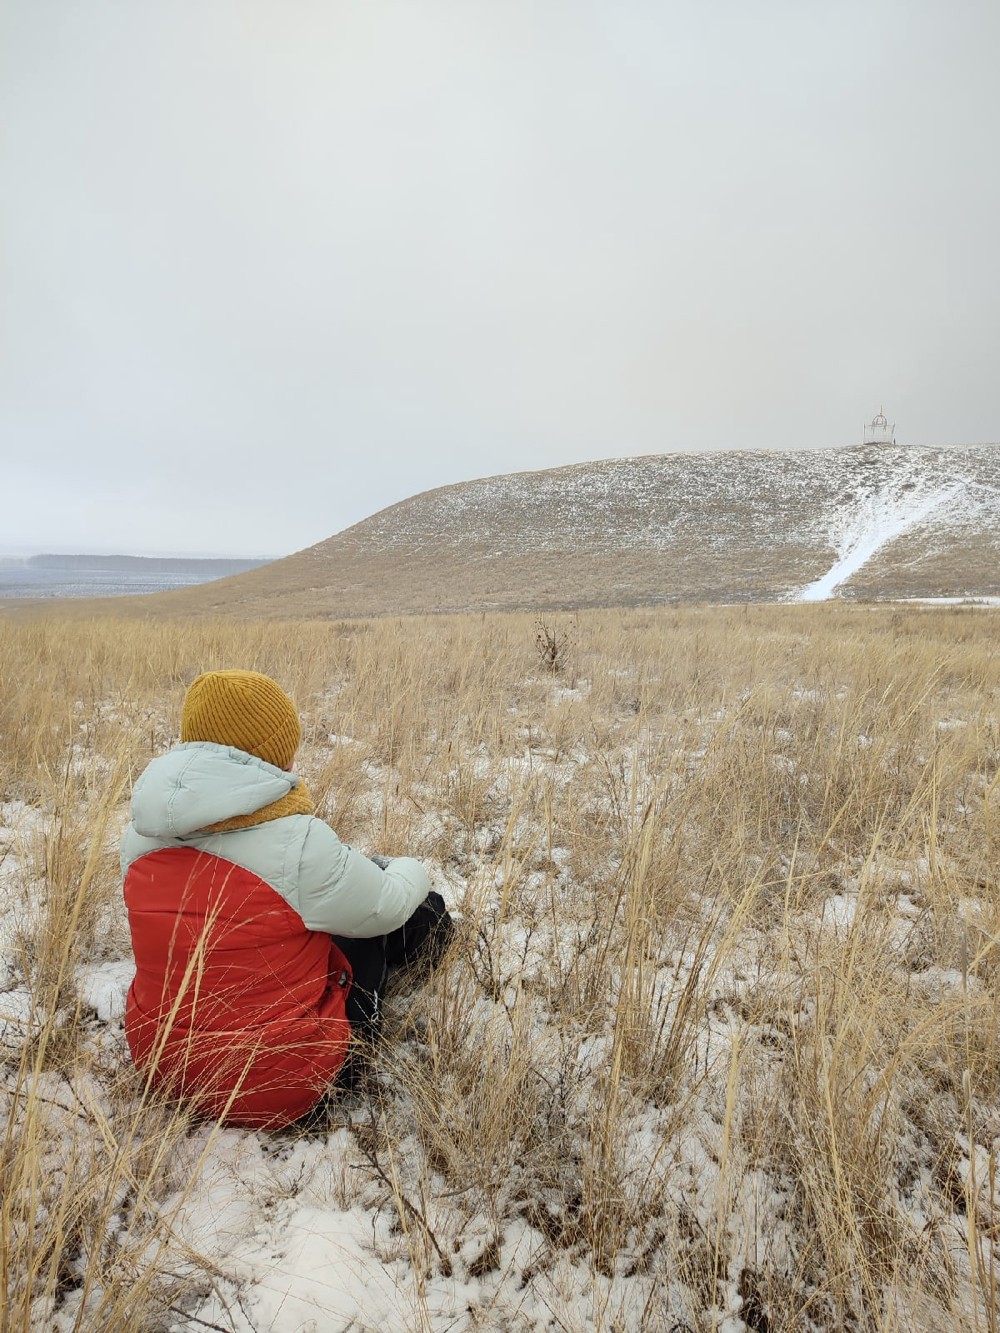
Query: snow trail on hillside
x: 881, y: 519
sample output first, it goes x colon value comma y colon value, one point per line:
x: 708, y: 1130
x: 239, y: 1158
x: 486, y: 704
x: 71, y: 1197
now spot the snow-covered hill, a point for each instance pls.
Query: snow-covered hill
x: 873, y: 521
x: 648, y: 502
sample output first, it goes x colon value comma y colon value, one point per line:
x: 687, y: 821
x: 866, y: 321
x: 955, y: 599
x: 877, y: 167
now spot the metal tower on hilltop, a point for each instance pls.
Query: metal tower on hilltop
x: 878, y: 430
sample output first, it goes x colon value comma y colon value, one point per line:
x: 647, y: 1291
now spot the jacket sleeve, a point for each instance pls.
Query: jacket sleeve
x: 342, y: 892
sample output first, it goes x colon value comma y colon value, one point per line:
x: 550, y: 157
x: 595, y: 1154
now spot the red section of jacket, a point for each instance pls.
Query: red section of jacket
x: 235, y: 1006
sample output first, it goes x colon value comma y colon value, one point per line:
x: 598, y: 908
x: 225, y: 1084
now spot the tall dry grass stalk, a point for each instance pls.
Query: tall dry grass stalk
x: 720, y: 1038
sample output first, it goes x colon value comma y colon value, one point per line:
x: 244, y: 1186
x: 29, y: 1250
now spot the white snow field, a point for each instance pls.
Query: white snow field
x: 878, y: 520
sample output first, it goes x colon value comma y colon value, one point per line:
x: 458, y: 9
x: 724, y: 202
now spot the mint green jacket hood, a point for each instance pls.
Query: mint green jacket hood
x: 199, y: 783
x: 332, y: 887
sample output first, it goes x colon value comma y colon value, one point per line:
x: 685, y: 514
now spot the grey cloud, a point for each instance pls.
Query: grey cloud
x: 270, y: 267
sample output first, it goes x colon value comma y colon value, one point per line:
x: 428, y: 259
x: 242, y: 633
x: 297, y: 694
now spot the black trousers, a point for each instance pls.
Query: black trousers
x: 419, y: 942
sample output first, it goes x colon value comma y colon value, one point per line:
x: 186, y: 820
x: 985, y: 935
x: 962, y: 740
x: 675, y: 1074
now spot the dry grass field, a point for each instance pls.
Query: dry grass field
x: 718, y: 1045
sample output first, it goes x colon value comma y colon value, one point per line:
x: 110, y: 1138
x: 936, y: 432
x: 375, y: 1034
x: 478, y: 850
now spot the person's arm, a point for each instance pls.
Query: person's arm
x: 343, y: 892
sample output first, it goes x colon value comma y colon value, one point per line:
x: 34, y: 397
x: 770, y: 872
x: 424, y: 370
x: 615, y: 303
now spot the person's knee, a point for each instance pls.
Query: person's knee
x: 436, y: 904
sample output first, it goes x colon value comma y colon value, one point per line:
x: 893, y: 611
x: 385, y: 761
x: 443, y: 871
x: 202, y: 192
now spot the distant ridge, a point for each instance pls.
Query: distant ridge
x: 865, y: 522
x: 53, y: 579
x: 153, y: 564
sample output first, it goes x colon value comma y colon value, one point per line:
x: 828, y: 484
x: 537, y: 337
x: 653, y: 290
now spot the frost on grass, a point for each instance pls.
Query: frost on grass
x: 716, y: 1048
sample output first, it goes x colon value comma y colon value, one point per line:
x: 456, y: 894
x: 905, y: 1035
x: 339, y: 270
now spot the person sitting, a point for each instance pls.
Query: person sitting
x: 261, y: 941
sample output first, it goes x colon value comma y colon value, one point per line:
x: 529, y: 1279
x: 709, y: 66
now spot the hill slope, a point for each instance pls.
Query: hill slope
x: 872, y: 522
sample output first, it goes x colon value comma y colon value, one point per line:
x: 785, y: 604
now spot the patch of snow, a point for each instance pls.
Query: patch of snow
x: 971, y: 602
x: 314, y: 1268
x: 839, y: 910
x: 880, y: 519
x: 567, y: 693
x: 104, y: 986
x: 15, y: 1014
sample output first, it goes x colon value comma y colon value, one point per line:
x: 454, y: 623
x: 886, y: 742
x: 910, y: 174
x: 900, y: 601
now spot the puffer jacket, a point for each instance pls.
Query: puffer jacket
x: 237, y: 1003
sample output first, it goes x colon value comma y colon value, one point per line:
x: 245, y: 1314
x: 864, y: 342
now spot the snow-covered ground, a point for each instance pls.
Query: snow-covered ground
x: 388, y: 1219
x: 724, y: 498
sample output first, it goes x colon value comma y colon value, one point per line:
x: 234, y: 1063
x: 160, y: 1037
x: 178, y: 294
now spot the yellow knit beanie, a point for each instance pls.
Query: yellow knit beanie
x: 244, y: 709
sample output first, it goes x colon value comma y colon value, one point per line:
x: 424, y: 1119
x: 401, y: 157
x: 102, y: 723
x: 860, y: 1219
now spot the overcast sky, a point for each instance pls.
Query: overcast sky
x: 267, y: 267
